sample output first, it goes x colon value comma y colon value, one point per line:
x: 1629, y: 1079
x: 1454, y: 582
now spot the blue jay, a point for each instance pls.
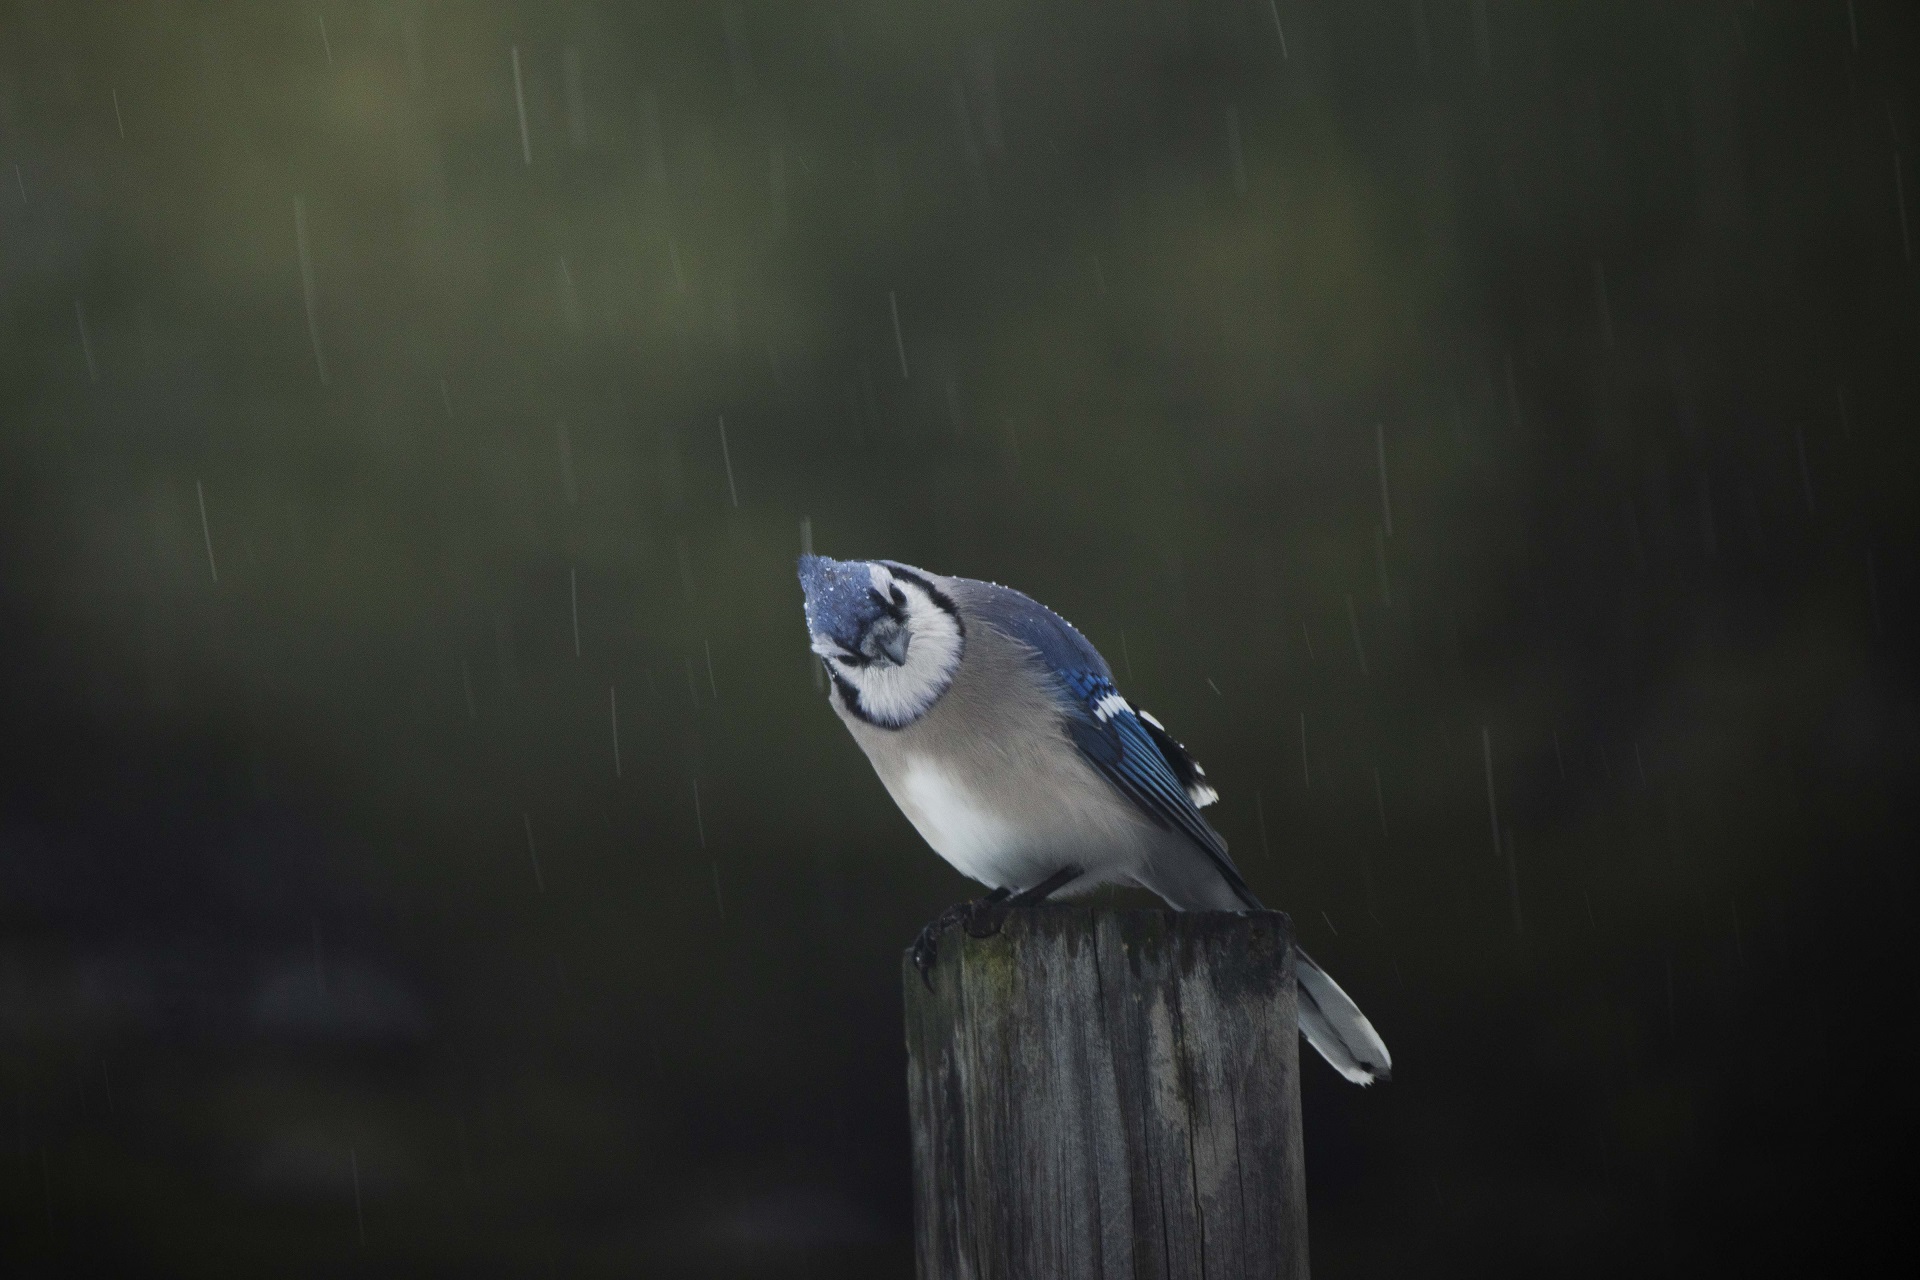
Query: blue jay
x: 999, y: 732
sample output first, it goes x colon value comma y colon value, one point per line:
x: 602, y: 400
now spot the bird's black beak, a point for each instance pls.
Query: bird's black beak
x: 887, y: 639
x: 895, y: 645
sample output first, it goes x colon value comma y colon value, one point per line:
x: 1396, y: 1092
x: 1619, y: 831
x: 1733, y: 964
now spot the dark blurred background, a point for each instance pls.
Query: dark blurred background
x: 1483, y: 431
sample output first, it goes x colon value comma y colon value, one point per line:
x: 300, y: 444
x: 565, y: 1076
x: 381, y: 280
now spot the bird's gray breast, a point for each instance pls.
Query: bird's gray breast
x: 989, y: 776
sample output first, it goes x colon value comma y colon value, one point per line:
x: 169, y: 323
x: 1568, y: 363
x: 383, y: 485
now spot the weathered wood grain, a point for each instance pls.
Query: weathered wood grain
x: 1111, y: 1094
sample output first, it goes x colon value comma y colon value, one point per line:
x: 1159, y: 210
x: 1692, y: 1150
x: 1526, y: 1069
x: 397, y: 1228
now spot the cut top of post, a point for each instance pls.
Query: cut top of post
x: 1109, y: 1093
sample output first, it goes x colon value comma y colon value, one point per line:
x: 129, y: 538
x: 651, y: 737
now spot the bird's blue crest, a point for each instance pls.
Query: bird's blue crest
x: 840, y: 603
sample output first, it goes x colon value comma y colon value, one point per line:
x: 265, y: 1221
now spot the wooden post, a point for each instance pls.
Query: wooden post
x: 1108, y: 1094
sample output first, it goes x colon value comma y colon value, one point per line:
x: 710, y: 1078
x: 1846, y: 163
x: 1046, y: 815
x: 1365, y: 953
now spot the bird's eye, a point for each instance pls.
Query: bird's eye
x: 899, y: 597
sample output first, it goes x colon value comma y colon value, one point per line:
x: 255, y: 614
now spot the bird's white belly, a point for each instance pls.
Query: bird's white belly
x: 961, y: 826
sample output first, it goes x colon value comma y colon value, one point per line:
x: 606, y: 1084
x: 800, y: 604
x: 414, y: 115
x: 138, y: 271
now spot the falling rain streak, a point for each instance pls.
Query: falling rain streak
x: 1601, y: 302
x: 726, y: 456
x: 569, y: 297
x: 1353, y: 625
x: 520, y: 108
x: 814, y: 664
x: 1380, y: 563
x: 613, y: 714
x: 899, y: 339
x: 307, y: 285
x: 573, y: 596
x: 206, y: 529
x: 1235, y: 155
x: 1306, y: 772
x: 1513, y: 393
x: 1493, y: 807
x: 1900, y: 201
x: 576, y: 98
x: 86, y: 341
x: 1386, y: 494
x: 533, y: 853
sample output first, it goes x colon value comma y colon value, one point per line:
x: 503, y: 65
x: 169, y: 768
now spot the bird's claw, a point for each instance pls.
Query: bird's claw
x: 981, y: 918
x: 924, y: 951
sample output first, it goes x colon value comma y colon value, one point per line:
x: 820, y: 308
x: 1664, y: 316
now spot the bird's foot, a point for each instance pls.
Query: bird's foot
x: 982, y: 917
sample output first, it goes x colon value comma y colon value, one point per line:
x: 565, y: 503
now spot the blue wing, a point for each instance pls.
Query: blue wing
x: 1127, y: 746
x: 1131, y: 751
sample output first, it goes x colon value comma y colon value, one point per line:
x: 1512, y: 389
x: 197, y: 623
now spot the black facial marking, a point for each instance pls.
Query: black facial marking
x: 939, y: 597
x: 850, y: 699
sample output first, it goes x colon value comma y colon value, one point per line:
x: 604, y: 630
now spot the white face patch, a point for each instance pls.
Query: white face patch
x: 896, y: 695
